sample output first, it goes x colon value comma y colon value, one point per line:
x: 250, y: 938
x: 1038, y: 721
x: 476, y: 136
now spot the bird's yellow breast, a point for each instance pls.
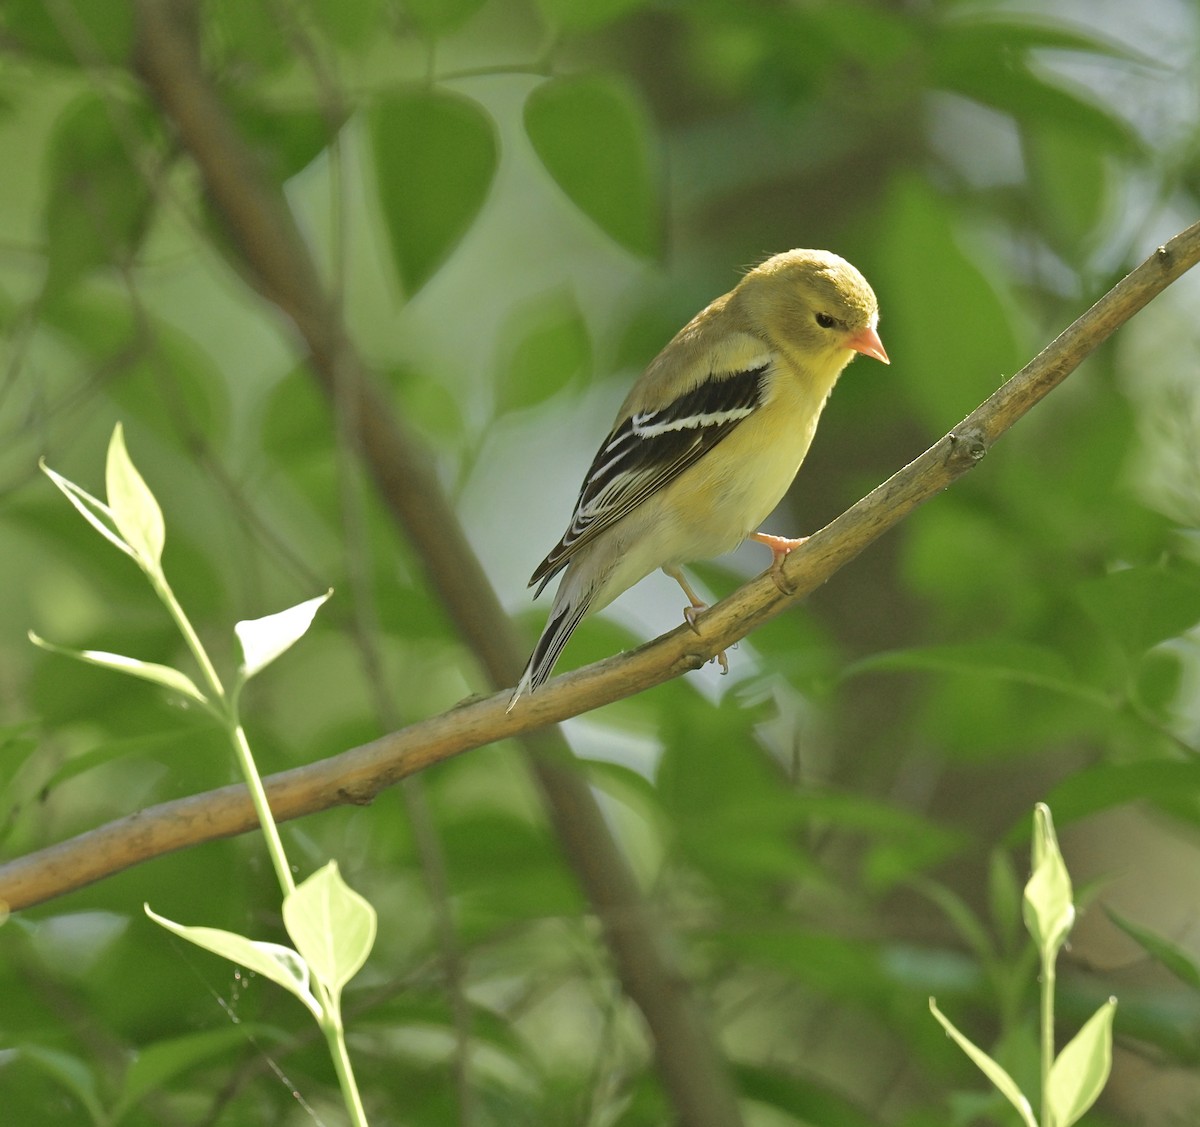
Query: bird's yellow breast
x: 721, y: 500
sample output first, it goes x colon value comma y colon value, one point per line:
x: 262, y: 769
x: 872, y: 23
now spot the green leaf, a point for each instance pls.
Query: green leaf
x: 987, y: 60
x: 1071, y: 177
x: 1006, y: 1085
x: 806, y: 1100
x: 280, y: 964
x: 435, y: 157
x: 1081, y: 1070
x: 594, y: 137
x: 1111, y: 784
x: 1139, y: 607
x: 950, y: 363
x: 1008, y: 661
x: 59, y: 32
x: 836, y: 966
x: 155, y: 1065
x: 134, y: 510
x: 1004, y: 898
x: 332, y: 926
x: 1158, y: 684
x: 429, y: 403
x: 349, y: 23
x: 98, y: 202
x: 1177, y: 960
x: 249, y: 36
x: 105, y: 326
x: 546, y: 347
x: 147, y: 745
x: 147, y: 670
x: 264, y: 639
x: 586, y: 15
x: 964, y: 921
x: 993, y: 32
x: 72, y: 1073
x: 286, y: 139
x: 436, y: 17
x: 1048, y: 908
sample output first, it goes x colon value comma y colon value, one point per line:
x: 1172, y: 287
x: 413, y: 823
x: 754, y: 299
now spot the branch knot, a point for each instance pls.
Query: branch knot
x: 967, y: 447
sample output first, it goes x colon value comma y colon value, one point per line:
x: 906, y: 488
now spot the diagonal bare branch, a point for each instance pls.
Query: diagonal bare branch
x: 356, y: 776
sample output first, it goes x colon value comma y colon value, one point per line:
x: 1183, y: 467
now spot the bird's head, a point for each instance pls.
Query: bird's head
x: 814, y: 305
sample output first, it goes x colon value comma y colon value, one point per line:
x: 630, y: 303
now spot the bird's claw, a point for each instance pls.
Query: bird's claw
x: 776, y: 573
x: 691, y: 614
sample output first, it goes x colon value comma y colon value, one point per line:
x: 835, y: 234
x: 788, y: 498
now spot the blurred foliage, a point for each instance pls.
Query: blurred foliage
x: 516, y: 202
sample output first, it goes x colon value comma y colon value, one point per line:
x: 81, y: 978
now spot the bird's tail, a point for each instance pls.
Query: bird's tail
x: 570, y: 606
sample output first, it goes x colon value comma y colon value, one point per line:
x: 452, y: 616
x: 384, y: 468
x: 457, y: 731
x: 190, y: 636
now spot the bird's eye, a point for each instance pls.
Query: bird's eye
x: 825, y: 321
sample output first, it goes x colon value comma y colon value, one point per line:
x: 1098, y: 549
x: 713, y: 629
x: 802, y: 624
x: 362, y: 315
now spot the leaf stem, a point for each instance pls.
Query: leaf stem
x: 258, y: 795
x: 332, y: 1028
x: 163, y: 589
x: 1047, y: 980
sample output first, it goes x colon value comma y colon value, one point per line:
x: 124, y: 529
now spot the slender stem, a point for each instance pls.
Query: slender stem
x: 335, y: 1037
x: 1047, y: 1023
x: 262, y: 807
x: 163, y: 589
x: 227, y: 709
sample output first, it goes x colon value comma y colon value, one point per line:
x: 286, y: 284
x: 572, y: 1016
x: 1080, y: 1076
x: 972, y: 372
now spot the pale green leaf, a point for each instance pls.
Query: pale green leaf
x: 1079, y: 1074
x: 92, y: 509
x: 280, y: 964
x: 1004, y: 1083
x: 134, y: 510
x: 264, y: 639
x: 332, y: 926
x: 147, y: 670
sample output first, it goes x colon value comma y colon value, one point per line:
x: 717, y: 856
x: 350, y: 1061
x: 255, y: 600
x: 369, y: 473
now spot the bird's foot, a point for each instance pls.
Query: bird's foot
x: 780, y: 547
x: 691, y: 613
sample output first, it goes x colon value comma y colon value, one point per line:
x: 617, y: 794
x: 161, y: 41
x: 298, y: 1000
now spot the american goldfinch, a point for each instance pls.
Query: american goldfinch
x: 709, y: 438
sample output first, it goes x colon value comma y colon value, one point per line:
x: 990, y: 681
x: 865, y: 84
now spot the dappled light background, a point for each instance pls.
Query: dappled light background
x: 515, y: 205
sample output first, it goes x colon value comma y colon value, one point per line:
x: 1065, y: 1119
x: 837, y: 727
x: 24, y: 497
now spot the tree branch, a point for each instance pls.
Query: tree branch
x: 358, y: 775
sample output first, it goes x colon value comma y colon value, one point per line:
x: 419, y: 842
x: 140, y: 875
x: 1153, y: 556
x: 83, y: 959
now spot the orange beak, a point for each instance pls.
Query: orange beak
x: 868, y: 343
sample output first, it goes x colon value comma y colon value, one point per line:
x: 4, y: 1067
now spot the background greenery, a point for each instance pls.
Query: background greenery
x: 516, y: 204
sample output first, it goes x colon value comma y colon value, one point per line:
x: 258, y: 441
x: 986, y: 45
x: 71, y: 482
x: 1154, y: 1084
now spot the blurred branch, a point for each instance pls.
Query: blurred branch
x: 358, y: 775
x: 167, y: 58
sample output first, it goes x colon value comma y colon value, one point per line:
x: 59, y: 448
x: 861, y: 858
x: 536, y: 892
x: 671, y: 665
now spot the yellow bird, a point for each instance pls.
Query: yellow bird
x: 709, y: 438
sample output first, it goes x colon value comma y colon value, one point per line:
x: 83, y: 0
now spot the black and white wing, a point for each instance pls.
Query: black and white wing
x: 650, y: 449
